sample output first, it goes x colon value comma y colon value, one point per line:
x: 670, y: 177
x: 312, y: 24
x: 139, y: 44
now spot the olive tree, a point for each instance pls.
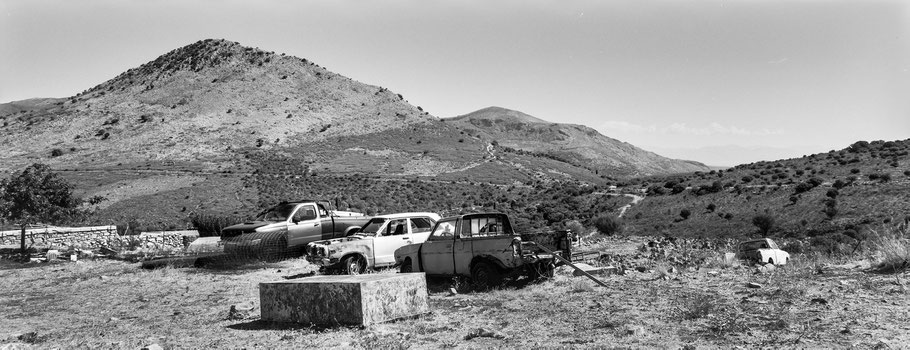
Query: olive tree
x: 34, y: 195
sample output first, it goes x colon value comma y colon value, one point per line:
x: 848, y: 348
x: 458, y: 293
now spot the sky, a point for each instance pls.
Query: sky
x: 720, y: 82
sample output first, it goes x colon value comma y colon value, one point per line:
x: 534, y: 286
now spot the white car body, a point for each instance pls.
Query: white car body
x: 374, y: 245
x: 763, y: 251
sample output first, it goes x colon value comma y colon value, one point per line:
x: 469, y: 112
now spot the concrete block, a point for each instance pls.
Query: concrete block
x: 729, y: 258
x: 344, y: 300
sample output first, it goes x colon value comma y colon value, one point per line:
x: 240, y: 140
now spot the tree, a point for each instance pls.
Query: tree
x: 34, y: 195
x: 764, y: 223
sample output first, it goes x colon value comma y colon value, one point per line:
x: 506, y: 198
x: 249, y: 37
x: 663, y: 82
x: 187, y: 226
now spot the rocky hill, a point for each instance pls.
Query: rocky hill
x: 197, y: 103
x: 576, y: 144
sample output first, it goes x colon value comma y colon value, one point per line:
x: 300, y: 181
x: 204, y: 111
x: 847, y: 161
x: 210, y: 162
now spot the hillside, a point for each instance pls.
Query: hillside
x: 575, y: 144
x: 218, y: 127
x: 834, y: 199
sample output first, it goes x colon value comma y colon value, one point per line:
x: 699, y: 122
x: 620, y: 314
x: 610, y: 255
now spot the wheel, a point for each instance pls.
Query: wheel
x: 352, y: 265
x: 406, y: 266
x: 771, y: 261
x: 485, y: 275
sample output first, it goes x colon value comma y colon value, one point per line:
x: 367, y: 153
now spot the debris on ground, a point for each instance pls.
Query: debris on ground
x: 484, y: 333
x: 241, y: 311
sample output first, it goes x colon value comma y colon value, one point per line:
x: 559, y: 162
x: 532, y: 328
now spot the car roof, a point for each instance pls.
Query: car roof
x: 433, y: 216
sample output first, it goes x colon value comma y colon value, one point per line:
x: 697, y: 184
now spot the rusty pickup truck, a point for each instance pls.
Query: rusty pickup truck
x: 483, y: 247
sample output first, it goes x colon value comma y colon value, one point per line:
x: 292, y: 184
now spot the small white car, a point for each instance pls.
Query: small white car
x: 763, y: 251
x: 374, y: 245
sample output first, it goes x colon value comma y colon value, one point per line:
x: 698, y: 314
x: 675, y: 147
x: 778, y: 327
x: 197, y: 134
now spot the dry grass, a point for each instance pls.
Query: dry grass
x: 891, y: 249
x: 109, y: 304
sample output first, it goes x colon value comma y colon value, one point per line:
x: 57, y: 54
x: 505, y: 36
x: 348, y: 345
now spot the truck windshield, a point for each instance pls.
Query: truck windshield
x: 277, y: 213
x: 373, y: 226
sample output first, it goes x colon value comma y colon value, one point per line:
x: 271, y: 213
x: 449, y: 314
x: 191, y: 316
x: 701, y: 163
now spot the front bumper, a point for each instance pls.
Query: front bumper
x: 321, y: 261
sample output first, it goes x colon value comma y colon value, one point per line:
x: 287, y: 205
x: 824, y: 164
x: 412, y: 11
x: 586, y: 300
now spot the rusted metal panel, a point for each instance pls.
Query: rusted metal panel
x: 344, y: 300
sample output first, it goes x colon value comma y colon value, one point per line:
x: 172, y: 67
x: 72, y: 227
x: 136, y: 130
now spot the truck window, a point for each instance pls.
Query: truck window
x: 306, y: 212
x: 322, y: 211
x: 443, y: 230
x: 482, y: 227
x: 421, y: 225
x: 277, y: 213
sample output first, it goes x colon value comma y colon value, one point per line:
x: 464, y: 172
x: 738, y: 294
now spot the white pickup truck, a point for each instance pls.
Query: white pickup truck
x: 287, y: 228
x: 374, y: 245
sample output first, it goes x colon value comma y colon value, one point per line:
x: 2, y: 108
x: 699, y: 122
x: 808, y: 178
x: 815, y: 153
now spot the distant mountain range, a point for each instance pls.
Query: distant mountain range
x: 214, y: 104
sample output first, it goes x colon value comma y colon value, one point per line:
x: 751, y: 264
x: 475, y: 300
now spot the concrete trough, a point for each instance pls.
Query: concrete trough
x: 344, y: 300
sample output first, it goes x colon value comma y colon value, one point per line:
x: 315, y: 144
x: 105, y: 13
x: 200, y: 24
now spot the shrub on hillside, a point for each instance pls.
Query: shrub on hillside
x: 685, y: 213
x: 576, y: 227
x: 608, y: 225
x: 764, y: 222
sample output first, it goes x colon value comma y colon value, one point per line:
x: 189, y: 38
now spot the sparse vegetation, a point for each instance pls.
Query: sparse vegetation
x: 764, y: 222
x: 608, y: 225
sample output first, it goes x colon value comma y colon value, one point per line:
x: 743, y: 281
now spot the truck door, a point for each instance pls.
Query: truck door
x: 304, y: 226
x: 436, y: 253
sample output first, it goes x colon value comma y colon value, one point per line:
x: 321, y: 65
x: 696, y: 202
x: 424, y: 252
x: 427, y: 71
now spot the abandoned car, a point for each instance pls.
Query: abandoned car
x: 763, y: 251
x: 483, y: 247
x: 288, y: 227
x: 374, y: 245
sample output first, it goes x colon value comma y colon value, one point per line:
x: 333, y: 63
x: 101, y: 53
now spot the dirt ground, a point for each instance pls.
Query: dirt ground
x: 113, y: 304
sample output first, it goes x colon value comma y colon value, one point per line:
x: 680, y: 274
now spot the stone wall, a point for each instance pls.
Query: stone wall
x: 95, y: 237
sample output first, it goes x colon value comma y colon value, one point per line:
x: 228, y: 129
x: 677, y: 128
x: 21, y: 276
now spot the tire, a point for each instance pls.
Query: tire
x: 771, y: 261
x: 406, y: 266
x: 352, y: 265
x: 485, y: 275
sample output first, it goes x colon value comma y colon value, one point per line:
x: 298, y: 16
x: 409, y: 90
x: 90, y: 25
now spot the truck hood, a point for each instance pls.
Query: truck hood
x: 250, y: 227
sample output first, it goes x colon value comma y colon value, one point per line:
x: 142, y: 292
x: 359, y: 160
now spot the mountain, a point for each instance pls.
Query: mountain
x: 215, y: 126
x: 198, y: 103
x: 576, y: 144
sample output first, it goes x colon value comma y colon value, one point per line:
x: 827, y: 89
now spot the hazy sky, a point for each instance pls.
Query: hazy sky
x: 722, y: 82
